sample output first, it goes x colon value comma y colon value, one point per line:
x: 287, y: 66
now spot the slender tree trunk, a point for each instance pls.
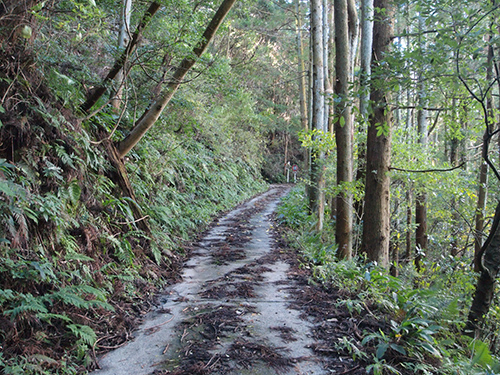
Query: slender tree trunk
x: 394, y: 257
x: 153, y: 113
x: 353, y: 21
x: 328, y: 91
x: 483, y: 174
x: 364, y: 99
x: 331, y: 69
x: 376, y: 226
x: 479, y: 218
x: 343, y: 130
x: 421, y: 231
x: 302, y: 80
x: 490, y: 265
x: 454, y: 159
x: 421, y: 199
x: 409, y: 218
x: 366, y: 56
x: 120, y: 62
x: 316, y: 191
x: 301, y: 69
x: 332, y: 202
x: 123, y: 40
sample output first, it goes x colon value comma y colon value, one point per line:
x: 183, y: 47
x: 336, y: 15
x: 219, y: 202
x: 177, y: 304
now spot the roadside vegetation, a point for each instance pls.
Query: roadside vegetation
x: 422, y: 314
x: 78, y: 266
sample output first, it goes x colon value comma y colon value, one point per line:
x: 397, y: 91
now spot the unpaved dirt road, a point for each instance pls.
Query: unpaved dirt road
x: 239, y: 310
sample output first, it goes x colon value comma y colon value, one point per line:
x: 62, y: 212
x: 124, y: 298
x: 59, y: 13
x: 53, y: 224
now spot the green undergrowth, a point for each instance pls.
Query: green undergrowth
x: 76, y: 271
x: 183, y: 184
x: 423, y: 314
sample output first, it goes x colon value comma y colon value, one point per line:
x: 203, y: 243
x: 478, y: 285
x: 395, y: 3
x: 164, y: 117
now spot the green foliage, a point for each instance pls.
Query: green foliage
x: 70, y: 246
x: 181, y: 186
x: 292, y: 212
x: 425, y: 312
x: 317, y: 140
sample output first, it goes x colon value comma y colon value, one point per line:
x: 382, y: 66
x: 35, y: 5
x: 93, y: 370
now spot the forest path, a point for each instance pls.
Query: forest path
x: 239, y: 309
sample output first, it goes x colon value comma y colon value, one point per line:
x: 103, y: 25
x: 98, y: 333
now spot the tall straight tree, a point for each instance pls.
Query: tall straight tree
x: 421, y: 198
x: 326, y: 60
x: 123, y: 40
x: 343, y: 130
x: 302, y: 79
x: 365, y: 56
x: 376, y: 225
x: 301, y: 68
x: 316, y: 190
x: 148, y: 119
x: 364, y: 86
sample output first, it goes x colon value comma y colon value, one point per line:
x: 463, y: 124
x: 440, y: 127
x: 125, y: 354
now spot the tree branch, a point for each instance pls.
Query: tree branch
x: 427, y: 170
x: 120, y: 62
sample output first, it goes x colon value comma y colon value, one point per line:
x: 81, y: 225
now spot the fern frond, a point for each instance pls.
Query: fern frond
x: 75, y: 192
x: 69, y: 243
x: 67, y: 297
x: 73, y: 295
x: 6, y: 294
x: 78, y: 256
x: 28, y: 303
x: 84, y: 333
x: 47, y: 317
x: 65, y: 158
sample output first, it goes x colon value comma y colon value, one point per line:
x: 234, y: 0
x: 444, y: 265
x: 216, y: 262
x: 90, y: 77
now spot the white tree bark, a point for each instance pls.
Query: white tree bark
x: 123, y: 40
x: 353, y: 21
x: 318, y: 64
x: 316, y: 190
x: 366, y: 56
x: 301, y: 68
x: 326, y: 60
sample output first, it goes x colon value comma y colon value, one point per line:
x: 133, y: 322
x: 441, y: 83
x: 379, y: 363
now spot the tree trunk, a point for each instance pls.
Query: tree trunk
x: 331, y: 69
x: 302, y: 80
x: 479, y: 218
x: 409, y: 217
x: 301, y: 69
x: 421, y: 199
x: 343, y: 130
x: 483, y: 173
x: 326, y: 59
x: 421, y: 231
x: 366, y: 57
x: 364, y: 84
x: 316, y: 191
x: 490, y: 265
x: 120, y: 62
x: 152, y: 114
x: 353, y: 22
x: 454, y: 160
x: 123, y: 40
x: 376, y: 226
